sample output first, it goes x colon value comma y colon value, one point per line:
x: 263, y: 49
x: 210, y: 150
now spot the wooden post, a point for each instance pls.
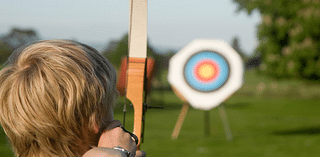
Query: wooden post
x: 206, y: 123
x: 225, y: 123
x: 180, y: 120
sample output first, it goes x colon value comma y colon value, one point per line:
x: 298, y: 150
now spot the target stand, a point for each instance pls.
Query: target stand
x: 204, y: 74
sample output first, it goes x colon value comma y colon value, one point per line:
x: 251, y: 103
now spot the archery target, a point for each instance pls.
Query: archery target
x: 206, y: 71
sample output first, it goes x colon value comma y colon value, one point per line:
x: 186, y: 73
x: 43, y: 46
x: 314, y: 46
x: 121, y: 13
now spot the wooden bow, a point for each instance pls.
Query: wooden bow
x: 137, y: 62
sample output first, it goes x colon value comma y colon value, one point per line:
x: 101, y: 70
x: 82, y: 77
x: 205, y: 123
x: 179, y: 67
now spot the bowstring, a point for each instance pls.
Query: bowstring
x: 129, y: 37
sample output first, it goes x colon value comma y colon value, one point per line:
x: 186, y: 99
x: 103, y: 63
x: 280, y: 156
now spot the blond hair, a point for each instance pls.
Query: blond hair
x: 51, y: 92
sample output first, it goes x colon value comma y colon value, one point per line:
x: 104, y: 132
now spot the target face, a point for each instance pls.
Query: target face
x: 206, y: 71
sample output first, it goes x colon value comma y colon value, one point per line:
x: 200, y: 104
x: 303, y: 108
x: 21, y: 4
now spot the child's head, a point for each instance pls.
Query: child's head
x: 52, y: 95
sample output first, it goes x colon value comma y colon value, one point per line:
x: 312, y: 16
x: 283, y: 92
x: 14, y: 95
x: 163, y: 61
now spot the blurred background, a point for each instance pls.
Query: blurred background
x: 275, y: 113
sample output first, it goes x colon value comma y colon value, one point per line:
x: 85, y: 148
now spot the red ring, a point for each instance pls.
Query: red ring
x: 210, y: 79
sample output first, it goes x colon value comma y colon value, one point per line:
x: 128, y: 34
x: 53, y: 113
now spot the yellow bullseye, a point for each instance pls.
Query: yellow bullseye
x: 206, y: 71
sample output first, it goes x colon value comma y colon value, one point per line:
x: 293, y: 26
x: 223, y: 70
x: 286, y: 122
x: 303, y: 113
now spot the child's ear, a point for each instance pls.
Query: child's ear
x: 95, y: 128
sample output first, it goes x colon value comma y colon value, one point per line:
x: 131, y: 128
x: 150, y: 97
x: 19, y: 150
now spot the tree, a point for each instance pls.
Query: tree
x: 14, y: 39
x: 116, y: 50
x: 236, y: 46
x: 288, y: 36
x: 5, y: 52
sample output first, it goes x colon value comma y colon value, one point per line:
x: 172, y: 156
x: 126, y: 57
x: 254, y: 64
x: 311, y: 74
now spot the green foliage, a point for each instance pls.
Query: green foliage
x: 118, y: 52
x: 288, y: 37
x: 15, y: 38
x: 121, y: 50
x: 236, y: 46
x: 5, y: 52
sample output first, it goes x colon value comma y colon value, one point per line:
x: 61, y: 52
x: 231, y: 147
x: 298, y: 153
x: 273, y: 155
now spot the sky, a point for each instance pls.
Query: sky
x: 172, y: 24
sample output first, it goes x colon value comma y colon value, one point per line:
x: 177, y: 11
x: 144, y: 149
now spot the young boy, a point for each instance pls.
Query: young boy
x: 56, y: 100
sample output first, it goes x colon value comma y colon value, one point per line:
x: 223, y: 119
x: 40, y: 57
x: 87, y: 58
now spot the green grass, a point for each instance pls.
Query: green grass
x: 260, y: 127
x: 275, y: 122
x: 262, y: 86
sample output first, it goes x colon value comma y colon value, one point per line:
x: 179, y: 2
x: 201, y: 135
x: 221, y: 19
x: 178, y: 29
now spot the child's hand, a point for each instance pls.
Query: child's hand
x: 114, y: 135
x: 140, y: 153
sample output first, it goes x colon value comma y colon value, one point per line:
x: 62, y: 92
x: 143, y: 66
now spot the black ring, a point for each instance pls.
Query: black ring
x: 132, y: 135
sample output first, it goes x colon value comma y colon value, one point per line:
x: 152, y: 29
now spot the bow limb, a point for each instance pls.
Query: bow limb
x: 137, y: 61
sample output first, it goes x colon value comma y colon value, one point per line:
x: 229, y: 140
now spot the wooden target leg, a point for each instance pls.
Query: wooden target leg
x: 180, y: 120
x: 206, y: 123
x: 225, y: 123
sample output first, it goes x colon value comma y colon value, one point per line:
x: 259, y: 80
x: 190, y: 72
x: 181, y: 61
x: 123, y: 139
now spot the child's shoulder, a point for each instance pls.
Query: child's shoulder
x: 103, y: 152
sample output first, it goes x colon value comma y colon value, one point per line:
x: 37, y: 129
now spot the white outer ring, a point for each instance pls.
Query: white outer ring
x: 202, y: 100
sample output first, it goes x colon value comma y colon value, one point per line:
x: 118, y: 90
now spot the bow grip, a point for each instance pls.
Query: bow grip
x: 135, y: 84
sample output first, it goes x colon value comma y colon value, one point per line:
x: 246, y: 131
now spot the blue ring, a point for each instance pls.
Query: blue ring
x: 201, y: 86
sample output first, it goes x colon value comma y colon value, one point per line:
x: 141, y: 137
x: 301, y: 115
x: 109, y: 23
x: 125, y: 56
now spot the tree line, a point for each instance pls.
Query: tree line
x: 288, y: 37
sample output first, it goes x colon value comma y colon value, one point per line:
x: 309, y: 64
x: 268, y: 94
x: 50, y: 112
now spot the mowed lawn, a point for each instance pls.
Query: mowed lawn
x: 262, y: 126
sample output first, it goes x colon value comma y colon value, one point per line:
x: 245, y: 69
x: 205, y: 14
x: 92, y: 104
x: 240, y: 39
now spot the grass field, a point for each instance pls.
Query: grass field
x: 267, y: 118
